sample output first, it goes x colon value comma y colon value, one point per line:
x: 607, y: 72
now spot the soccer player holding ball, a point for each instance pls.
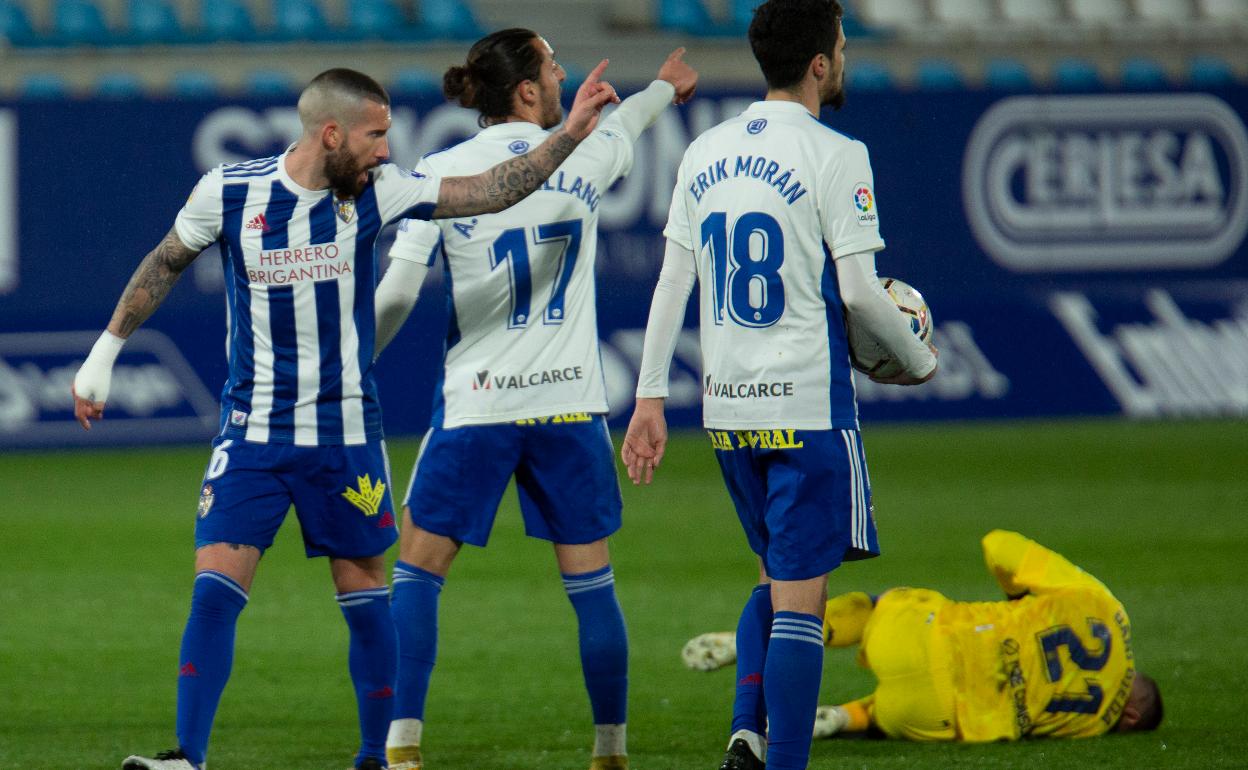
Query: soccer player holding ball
x: 775, y: 215
x: 300, y: 422
x: 522, y: 391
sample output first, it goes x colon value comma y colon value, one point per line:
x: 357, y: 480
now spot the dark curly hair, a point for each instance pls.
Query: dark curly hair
x: 786, y: 34
x: 496, y: 64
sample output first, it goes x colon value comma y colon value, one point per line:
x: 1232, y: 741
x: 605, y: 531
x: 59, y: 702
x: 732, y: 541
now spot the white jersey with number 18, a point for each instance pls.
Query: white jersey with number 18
x: 766, y: 201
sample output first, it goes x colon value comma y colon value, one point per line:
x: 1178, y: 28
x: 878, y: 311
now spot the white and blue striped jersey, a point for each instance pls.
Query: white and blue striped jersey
x: 300, y: 272
x: 523, y: 332
x: 765, y: 201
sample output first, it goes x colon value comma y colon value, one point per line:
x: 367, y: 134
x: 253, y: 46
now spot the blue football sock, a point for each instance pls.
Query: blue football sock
x: 749, y: 708
x: 372, y: 660
x: 604, y: 643
x: 791, y: 686
x: 414, y: 606
x: 206, y: 657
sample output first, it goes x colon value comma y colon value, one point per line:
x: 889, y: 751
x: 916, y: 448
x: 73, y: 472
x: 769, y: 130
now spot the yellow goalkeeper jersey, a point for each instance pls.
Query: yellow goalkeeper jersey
x: 1055, y: 661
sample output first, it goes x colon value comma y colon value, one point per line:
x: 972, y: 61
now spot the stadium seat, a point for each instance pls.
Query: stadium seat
x: 1076, y: 75
x: 1140, y: 74
x: 268, y: 83
x: 894, y: 15
x: 79, y: 22
x: 377, y: 20
x: 868, y: 76
x: 1233, y: 11
x: 154, y: 21
x: 684, y: 16
x: 15, y: 24
x: 416, y: 81
x: 1164, y: 11
x: 1031, y: 13
x: 226, y: 20
x: 1008, y: 75
x: 449, y: 19
x: 1101, y: 13
x: 964, y: 13
x: 118, y: 85
x: 44, y: 86
x: 1209, y: 72
x: 939, y: 75
x: 299, y: 20
x: 194, y: 84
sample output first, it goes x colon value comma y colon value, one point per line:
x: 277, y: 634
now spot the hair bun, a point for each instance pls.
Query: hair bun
x: 458, y: 85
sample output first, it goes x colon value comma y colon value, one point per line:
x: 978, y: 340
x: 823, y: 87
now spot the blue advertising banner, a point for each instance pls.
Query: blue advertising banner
x: 1081, y: 254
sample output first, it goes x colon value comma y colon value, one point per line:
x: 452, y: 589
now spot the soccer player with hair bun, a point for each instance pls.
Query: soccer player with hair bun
x: 522, y: 391
x: 774, y: 215
x: 300, y: 419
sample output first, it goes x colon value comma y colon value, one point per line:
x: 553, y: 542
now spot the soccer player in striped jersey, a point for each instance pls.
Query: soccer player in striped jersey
x: 522, y: 391
x: 1054, y: 661
x: 300, y: 422
x: 775, y: 216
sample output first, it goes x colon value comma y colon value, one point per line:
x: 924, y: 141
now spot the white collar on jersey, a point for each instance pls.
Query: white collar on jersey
x: 517, y: 128
x: 776, y: 106
x: 290, y: 183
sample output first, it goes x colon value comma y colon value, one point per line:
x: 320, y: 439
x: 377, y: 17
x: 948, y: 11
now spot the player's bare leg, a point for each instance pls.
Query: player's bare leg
x: 425, y: 558
x: 590, y: 583
x: 223, y: 575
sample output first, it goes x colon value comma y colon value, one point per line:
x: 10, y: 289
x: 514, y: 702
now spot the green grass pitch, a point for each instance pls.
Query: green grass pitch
x: 96, y: 567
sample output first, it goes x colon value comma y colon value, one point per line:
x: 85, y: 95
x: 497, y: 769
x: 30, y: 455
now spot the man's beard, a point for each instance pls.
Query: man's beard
x: 343, y: 174
x: 836, y: 99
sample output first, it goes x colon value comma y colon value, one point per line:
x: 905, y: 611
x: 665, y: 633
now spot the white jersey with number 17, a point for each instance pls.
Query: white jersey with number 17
x: 523, y: 331
x: 766, y: 201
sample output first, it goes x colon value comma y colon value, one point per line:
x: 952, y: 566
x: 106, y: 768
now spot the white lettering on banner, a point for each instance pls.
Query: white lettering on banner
x: 35, y: 378
x: 965, y: 372
x: 1108, y: 182
x: 9, y: 264
x: 1176, y: 366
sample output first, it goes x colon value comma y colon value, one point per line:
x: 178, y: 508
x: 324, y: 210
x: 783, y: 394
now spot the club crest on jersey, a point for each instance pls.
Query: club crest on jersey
x: 756, y: 126
x: 519, y: 147
x: 206, y: 498
x: 368, y: 497
x: 482, y: 381
x: 345, y: 209
x: 864, y: 202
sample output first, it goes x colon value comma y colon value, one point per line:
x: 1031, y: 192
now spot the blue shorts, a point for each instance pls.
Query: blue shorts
x: 341, y: 495
x: 565, y: 477
x: 803, y: 497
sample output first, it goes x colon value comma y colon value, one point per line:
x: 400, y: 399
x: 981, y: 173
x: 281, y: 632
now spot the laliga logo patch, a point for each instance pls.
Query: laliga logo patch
x: 519, y: 147
x: 238, y: 418
x: 864, y: 201
x: 206, y: 498
x: 756, y: 126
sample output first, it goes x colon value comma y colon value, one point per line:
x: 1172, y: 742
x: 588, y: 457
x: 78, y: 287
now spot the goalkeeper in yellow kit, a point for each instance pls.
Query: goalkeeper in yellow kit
x: 1053, y: 661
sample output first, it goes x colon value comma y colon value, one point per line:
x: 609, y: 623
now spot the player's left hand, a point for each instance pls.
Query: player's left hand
x: 645, y: 441
x: 905, y: 378
x: 591, y: 97
x: 682, y: 77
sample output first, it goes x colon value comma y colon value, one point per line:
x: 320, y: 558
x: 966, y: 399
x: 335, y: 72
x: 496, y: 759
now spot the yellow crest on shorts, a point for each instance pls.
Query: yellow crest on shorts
x: 368, y: 497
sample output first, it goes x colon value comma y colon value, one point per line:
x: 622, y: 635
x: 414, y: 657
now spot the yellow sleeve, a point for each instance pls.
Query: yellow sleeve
x: 1023, y: 566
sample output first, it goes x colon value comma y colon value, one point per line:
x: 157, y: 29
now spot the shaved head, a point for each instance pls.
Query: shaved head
x: 338, y: 96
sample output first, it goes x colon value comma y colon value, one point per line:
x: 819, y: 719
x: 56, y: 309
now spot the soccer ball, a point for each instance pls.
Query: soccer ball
x: 867, y: 354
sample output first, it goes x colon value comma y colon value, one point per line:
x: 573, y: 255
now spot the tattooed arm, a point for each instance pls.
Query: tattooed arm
x: 147, y: 288
x: 506, y: 184
x: 511, y: 181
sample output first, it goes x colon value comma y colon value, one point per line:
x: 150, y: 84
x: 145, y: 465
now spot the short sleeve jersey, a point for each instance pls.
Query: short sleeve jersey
x: 522, y: 339
x: 300, y: 272
x: 766, y: 201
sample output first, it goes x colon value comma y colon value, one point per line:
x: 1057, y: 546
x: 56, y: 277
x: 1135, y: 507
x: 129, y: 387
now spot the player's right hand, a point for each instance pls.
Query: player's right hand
x: 591, y: 97
x: 91, y: 405
x: 645, y: 441
x: 682, y: 77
